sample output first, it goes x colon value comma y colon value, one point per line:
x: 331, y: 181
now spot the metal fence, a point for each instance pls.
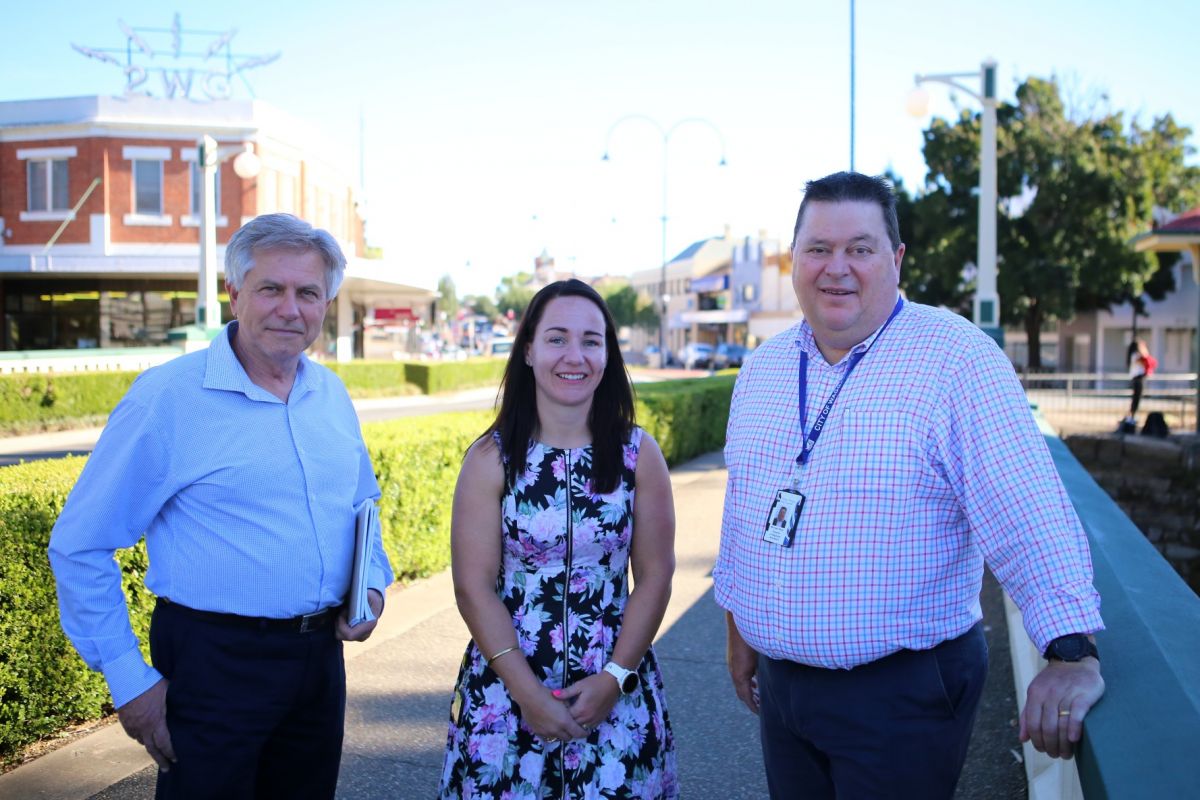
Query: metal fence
x: 86, y: 359
x: 1094, y: 402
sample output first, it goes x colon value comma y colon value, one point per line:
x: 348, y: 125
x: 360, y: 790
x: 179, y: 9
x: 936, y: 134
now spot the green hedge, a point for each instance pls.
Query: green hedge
x: 44, y: 686
x: 32, y: 402
x: 374, y: 378
x: 447, y: 376
x: 39, y: 401
x: 687, y: 417
x: 416, y: 461
x: 391, y: 378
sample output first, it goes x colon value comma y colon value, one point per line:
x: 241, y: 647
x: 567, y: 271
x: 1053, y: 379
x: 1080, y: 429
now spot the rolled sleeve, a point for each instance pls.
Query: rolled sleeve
x: 1018, y: 508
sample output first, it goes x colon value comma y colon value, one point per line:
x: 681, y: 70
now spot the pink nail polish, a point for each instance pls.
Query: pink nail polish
x: 556, y: 692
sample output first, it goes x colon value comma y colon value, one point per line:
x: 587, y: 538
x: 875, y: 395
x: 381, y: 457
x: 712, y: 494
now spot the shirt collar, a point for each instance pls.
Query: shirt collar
x: 807, y: 342
x: 224, y: 372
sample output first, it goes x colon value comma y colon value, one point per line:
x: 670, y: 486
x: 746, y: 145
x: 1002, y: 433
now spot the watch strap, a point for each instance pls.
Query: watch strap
x: 626, y: 678
x: 1078, y: 645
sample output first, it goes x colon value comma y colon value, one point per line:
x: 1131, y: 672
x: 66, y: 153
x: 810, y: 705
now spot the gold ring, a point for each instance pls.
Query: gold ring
x: 1062, y: 713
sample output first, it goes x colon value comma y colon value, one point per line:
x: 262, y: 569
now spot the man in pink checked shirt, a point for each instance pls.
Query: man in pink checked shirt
x: 897, y: 442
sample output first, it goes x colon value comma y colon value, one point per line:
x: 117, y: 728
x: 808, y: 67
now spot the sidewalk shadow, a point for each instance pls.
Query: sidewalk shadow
x: 398, y: 707
x: 717, y: 737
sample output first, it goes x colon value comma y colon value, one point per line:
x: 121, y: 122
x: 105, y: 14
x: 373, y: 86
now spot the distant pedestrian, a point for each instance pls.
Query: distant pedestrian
x: 905, y: 456
x: 1141, y: 366
x: 560, y: 694
x: 243, y: 465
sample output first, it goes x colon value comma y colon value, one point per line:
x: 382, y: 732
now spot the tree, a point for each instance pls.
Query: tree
x: 628, y: 308
x: 1161, y: 151
x: 481, y: 304
x: 448, y: 301
x: 1074, y: 192
x: 513, y: 294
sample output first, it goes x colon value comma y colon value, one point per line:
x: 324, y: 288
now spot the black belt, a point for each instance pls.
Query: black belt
x: 302, y: 624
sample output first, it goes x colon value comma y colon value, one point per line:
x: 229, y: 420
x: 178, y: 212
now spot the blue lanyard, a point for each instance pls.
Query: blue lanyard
x: 810, y: 441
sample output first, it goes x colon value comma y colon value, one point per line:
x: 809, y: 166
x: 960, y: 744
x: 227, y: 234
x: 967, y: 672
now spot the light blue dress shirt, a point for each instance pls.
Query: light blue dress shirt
x: 246, y: 501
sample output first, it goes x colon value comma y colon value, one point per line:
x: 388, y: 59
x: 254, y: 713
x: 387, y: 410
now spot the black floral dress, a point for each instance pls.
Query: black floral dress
x: 559, y: 535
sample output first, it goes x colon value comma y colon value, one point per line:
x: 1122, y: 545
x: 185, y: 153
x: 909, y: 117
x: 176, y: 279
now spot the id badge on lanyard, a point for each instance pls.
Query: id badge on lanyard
x: 784, y: 517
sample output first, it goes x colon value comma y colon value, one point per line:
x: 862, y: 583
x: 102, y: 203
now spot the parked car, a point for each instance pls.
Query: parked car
x: 499, y: 346
x: 651, y: 357
x: 728, y: 355
x: 696, y: 355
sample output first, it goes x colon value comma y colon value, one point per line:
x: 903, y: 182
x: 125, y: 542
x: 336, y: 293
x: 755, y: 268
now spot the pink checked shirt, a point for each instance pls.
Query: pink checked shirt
x: 929, y: 463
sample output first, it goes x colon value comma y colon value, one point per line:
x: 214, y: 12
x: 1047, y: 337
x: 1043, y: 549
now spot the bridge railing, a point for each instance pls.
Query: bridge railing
x: 1140, y: 740
x: 86, y: 359
x: 1094, y: 402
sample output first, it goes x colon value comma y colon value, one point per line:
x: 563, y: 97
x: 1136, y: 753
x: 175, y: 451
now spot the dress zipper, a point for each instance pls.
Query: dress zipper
x: 562, y: 748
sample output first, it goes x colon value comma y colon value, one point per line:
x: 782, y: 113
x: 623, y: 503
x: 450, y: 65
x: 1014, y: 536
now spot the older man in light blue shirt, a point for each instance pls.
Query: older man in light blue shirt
x: 243, y: 466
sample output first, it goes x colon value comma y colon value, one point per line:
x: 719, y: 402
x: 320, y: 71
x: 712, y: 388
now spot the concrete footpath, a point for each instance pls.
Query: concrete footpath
x: 400, y: 683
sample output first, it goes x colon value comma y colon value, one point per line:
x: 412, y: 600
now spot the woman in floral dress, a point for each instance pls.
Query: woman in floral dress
x: 560, y: 695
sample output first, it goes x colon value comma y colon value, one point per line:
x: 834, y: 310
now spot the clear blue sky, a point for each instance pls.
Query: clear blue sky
x: 486, y: 120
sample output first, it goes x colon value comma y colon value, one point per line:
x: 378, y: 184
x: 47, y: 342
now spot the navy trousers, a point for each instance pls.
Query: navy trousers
x: 894, y: 728
x: 252, y: 713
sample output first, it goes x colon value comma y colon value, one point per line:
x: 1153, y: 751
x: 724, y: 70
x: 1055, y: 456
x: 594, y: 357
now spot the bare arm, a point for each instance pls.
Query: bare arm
x: 652, y: 556
x: 743, y: 664
x: 475, y: 548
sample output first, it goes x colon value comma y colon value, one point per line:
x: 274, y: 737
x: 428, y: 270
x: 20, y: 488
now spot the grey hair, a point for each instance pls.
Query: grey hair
x: 283, y: 232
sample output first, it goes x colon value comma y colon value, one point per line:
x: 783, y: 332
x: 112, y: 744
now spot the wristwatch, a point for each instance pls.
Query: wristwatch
x: 627, y: 679
x: 1072, y: 647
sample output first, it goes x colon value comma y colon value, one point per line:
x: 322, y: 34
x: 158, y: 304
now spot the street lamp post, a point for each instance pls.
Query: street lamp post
x: 208, y: 158
x: 986, y: 306
x: 663, y: 297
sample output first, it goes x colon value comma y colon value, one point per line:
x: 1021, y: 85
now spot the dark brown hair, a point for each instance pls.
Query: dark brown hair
x: 849, y: 187
x: 611, y: 418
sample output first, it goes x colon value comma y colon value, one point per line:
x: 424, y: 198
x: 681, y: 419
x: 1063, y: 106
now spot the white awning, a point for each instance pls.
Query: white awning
x: 716, y: 316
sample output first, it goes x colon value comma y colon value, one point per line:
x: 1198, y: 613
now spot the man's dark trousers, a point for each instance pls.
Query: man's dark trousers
x: 897, y: 727
x: 252, y: 712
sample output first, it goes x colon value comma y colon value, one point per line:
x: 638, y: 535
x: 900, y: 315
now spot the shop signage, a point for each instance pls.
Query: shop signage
x: 177, y: 62
x: 395, y: 315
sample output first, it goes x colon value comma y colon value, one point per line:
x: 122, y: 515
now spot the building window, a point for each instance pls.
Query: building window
x: 48, y: 184
x: 147, y: 187
x: 146, y: 190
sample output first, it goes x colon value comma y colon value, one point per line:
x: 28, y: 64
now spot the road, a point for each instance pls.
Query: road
x: 37, y: 447
x: 40, y: 446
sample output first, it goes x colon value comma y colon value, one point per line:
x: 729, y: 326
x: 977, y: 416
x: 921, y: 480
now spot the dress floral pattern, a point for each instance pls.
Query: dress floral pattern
x: 559, y: 534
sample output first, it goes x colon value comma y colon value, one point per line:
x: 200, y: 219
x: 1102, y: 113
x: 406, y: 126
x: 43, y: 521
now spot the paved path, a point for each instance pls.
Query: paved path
x: 400, y: 682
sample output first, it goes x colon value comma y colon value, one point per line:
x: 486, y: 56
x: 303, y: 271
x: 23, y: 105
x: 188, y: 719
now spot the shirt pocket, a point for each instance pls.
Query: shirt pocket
x: 879, y: 456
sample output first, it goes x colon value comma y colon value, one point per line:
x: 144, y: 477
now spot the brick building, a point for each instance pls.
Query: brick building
x: 99, y: 218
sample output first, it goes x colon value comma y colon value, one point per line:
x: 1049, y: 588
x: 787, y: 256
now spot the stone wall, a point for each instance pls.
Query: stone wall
x: 1155, y: 482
